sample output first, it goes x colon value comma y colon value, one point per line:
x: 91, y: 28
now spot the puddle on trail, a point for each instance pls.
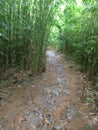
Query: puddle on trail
x: 51, y: 54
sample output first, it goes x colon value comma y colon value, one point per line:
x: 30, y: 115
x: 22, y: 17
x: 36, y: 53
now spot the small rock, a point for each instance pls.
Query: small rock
x: 17, y: 81
x: 59, y: 80
x: 67, y: 91
x: 29, y: 73
x: 56, y: 91
x: 44, y: 127
x: 45, y: 79
x: 1, y: 128
x: 48, y: 90
x: 95, y: 120
x: 57, y: 127
x: 58, y: 65
x: 78, y: 115
x: 86, y: 127
x: 69, y: 114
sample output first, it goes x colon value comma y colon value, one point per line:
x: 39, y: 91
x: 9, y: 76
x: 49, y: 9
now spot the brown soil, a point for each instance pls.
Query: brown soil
x: 46, y: 101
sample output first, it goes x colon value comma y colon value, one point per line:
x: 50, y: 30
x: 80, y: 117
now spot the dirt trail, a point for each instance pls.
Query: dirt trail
x: 52, y: 101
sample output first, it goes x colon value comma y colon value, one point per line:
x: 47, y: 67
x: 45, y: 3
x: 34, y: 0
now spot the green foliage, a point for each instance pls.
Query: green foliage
x: 96, y: 85
x: 24, y: 29
x: 78, y: 34
x: 28, y: 25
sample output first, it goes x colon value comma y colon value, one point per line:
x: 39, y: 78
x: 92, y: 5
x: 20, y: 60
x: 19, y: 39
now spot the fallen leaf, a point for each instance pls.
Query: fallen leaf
x: 33, y: 127
x: 21, y: 119
x: 46, y: 121
x: 49, y: 91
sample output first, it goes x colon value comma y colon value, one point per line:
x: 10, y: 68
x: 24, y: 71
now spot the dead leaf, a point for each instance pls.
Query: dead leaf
x: 46, y: 121
x: 21, y: 119
x: 49, y: 91
x: 33, y: 127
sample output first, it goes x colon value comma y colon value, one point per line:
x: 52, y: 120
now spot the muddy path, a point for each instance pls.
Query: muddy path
x: 51, y: 101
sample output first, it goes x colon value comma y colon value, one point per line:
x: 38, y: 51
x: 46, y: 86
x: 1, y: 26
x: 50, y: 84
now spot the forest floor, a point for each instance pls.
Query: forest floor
x: 50, y: 101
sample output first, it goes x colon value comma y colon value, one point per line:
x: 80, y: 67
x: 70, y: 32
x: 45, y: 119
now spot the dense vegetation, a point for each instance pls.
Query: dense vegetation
x: 77, y: 31
x: 28, y: 25
x: 23, y: 33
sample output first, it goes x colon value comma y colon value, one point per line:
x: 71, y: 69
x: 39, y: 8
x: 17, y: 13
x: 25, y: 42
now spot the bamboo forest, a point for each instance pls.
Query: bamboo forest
x: 48, y: 64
